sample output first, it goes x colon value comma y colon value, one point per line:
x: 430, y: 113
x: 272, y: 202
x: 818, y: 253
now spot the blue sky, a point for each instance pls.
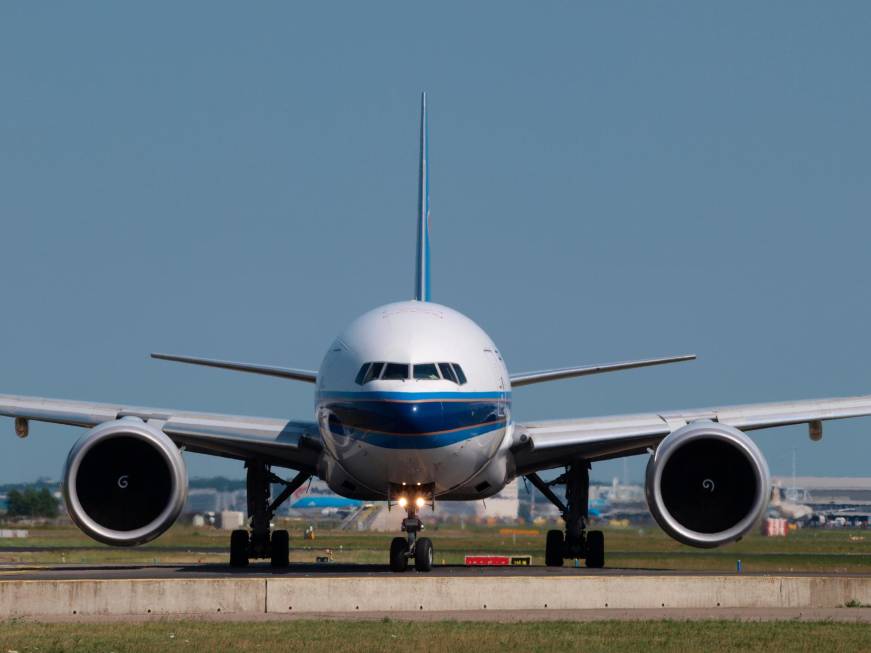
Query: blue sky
x: 609, y: 181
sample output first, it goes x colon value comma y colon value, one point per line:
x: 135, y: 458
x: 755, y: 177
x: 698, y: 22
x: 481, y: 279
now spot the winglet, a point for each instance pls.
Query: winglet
x: 421, y: 282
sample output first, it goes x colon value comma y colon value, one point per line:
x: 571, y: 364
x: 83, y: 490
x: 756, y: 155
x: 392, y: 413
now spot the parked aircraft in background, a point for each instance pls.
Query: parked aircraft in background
x: 326, y: 501
x: 790, y: 510
x: 414, y: 407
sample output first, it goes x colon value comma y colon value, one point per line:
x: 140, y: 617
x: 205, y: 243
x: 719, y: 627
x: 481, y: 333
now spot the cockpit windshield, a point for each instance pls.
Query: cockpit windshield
x: 395, y: 371
x: 426, y: 372
x: 419, y: 372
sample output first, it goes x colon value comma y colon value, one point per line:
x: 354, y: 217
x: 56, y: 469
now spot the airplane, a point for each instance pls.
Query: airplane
x: 413, y: 406
x: 326, y: 502
x: 792, y: 510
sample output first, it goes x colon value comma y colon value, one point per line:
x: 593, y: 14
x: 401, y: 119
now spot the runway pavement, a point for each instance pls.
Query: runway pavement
x: 335, y: 570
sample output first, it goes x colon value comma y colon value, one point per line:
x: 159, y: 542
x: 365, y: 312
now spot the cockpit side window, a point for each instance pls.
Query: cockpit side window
x: 426, y: 372
x: 373, y: 373
x: 447, y: 372
x: 461, y: 377
x: 362, y: 374
x: 396, y: 371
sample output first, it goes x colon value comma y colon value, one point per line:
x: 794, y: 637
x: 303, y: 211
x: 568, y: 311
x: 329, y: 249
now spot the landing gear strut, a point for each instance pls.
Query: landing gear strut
x: 577, y: 541
x: 260, y: 542
x: 411, y: 547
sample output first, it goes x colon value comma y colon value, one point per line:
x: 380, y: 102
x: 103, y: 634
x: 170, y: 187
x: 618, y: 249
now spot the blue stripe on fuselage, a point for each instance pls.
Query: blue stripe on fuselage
x: 414, y: 417
x: 414, y: 420
x: 415, y: 396
x: 428, y: 441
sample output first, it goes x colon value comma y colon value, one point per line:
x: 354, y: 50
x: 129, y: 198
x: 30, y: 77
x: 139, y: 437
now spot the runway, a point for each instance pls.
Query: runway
x: 341, y: 570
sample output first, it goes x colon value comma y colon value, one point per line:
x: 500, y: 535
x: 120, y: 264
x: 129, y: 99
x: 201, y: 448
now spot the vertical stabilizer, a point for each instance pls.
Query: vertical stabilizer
x: 421, y: 282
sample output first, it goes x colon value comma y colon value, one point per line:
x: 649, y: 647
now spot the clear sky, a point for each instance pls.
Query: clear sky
x: 609, y: 181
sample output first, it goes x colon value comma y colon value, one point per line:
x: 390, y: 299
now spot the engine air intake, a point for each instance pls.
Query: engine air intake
x: 125, y: 482
x: 707, y: 484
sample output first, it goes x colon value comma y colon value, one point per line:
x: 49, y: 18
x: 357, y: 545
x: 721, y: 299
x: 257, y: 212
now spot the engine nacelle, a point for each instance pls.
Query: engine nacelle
x: 125, y: 482
x: 707, y: 484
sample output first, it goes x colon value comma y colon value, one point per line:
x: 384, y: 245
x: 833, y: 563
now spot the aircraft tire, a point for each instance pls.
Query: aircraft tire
x: 553, y: 549
x: 280, y: 549
x: 239, y: 548
x: 398, y: 557
x: 595, y: 549
x: 423, y: 554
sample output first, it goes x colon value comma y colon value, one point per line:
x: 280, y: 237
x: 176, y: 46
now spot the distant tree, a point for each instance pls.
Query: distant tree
x: 15, y: 503
x: 46, y: 504
x: 31, y: 502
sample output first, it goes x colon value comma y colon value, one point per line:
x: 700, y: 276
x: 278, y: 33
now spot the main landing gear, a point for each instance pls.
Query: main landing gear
x: 411, y: 547
x: 577, y: 541
x: 261, y: 542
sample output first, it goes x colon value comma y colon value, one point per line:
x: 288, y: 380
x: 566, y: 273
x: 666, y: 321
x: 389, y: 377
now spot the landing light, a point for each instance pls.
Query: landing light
x: 403, y: 502
x: 420, y: 502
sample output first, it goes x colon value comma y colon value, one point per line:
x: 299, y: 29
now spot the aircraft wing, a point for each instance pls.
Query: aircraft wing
x: 552, y: 443
x: 281, y: 442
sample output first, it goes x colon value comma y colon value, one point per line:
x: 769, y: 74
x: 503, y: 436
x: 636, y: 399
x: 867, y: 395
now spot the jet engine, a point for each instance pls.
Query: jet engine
x: 125, y: 482
x: 707, y: 484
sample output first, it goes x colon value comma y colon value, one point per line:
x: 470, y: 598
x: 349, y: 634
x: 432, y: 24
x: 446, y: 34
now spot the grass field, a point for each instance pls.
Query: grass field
x: 340, y: 636
x: 836, y: 550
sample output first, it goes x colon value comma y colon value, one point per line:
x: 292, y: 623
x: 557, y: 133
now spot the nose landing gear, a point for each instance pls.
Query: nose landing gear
x: 577, y: 541
x: 411, y: 547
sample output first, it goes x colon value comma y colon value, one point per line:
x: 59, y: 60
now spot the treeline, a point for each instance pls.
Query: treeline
x: 31, y: 502
x: 220, y: 483
x: 54, y: 486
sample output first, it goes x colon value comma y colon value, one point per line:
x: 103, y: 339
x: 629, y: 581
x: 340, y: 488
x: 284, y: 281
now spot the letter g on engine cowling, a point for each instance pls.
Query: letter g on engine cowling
x: 707, y: 484
x: 125, y: 482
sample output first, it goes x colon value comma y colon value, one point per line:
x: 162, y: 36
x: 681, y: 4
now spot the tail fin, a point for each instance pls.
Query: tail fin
x: 421, y: 283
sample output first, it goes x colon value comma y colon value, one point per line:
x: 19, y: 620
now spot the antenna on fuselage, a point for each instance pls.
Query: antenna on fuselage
x: 421, y: 282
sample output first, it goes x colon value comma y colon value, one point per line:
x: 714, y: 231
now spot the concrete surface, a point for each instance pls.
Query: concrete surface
x: 476, y: 591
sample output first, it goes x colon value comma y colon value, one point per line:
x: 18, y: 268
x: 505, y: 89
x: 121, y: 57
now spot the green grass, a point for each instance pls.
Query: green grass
x: 836, y: 551
x: 340, y: 636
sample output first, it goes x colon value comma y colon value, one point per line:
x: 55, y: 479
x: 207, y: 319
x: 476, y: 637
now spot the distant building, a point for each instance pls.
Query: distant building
x: 230, y: 520
x: 827, y: 493
x: 202, y: 500
x: 504, y: 505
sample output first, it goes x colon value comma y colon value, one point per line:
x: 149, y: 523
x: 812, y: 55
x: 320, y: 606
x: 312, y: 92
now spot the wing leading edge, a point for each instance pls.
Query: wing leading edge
x: 309, y: 376
x: 286, y: 443
x: 528, y: 378
x: 541, y: 445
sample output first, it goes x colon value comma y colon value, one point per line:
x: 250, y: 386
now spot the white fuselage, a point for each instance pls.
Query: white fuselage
x: 395, y: 429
